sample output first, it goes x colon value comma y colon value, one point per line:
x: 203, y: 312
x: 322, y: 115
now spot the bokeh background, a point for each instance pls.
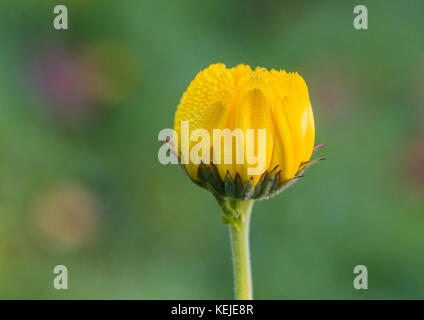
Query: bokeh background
x: 81, y: 185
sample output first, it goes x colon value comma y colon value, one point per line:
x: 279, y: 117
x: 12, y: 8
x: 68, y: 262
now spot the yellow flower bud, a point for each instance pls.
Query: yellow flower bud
x: 244, y: 135
x: 241, y: 99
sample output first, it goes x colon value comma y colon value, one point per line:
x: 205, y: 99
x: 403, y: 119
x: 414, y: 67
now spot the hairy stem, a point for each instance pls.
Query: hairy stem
x: 241, y: 252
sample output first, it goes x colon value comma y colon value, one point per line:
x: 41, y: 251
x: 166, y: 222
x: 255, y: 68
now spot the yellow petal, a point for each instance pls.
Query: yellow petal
x: 294, y: 122
x: 300, y: 98
x: 255, y: 114
x: 205, y: 104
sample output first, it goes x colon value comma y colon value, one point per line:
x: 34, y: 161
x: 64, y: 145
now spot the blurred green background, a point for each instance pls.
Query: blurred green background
x: 81, y: 185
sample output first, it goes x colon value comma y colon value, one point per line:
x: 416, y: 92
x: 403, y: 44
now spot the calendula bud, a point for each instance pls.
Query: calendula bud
x: 242, y: 133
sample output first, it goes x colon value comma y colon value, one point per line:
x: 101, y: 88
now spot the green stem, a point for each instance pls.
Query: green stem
x: 241, y: 252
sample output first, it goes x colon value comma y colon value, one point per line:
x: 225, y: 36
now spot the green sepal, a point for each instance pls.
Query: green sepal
x: 219, y: 184
x: 266, y: 185
x: 210, y: 174
x: 259, y: 185
x: 248, y: 190
x: 281, y: 186
x: 277, y: 183
x: 239, y: 185
x: 231, y: 187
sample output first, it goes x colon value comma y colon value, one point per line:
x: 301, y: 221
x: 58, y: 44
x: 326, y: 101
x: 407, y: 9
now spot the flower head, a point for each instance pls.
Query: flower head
x: 234, y: 101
